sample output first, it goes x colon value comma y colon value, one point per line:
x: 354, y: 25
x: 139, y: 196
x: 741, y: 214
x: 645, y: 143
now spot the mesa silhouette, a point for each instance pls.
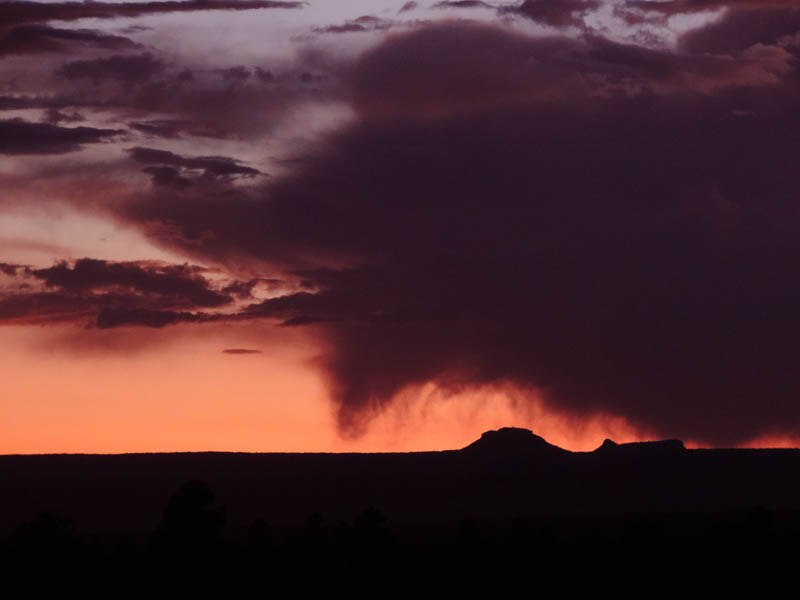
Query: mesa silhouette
x: 506, y: 474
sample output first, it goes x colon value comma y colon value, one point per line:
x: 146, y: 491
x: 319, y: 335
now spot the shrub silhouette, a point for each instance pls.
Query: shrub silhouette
x: 191, y: 516
x: 190, y: 540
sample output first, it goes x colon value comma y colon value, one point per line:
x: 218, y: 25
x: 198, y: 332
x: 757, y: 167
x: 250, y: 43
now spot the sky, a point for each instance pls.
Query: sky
x: 379, y: 225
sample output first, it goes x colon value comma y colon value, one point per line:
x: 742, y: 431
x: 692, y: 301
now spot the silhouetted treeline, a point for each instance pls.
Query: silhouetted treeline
x: 190, y: 553
x: 508, y: 515
x: 505, y: 474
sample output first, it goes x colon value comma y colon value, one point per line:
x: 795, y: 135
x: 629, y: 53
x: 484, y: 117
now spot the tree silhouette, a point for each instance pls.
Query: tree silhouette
x: 191, y: 518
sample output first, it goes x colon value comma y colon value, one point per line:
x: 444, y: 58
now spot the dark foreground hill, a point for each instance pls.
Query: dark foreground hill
x: 509, y: 515
x: 505, y: 474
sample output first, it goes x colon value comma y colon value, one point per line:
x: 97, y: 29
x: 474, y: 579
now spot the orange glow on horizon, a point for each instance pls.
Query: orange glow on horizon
x: 67, y: 390
x: 767, y: 441
x: 427, y: 418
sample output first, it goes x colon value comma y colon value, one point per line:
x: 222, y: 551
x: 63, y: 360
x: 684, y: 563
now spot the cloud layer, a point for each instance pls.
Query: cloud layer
x: 21, y: 137
x: 611, y: 224
x: 109, y: 294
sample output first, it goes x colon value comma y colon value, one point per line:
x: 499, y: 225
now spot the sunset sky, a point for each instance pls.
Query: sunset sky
x: 380, y: 225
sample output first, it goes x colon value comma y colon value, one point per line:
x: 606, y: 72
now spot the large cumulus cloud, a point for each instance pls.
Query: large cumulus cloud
x: 612, y: 225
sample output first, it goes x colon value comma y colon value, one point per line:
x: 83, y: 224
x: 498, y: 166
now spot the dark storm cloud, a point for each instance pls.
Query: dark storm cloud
x: 16, y: 102
x: 348, y: 27
x: 42, y: 307
x: 34, y: 39
x: 463, y: 68
x: 36, y: 12
x: 28, y: 102
x: 461, y: 4
x: 111, y: 294
x: 241, y: 351
x: 674, y: 7
x: 126, y: 69
x: 408, y: 6
x: 166, y: 128
x: 361, y: 24
x: 167, y: 176
x: 740, y: 29
x: 210, y: 166
x: 179, y: 282
x: 8, y: 269
x: 174, y: 129
x: 56, y: 116
x: 612, y: 225
x: 21, y: 137
x: 557, y: 13
x: 303, y: 309
x: 244, y: 289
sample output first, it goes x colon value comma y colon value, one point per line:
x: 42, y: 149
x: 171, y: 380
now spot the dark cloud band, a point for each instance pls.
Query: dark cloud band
x: 21, y: 137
